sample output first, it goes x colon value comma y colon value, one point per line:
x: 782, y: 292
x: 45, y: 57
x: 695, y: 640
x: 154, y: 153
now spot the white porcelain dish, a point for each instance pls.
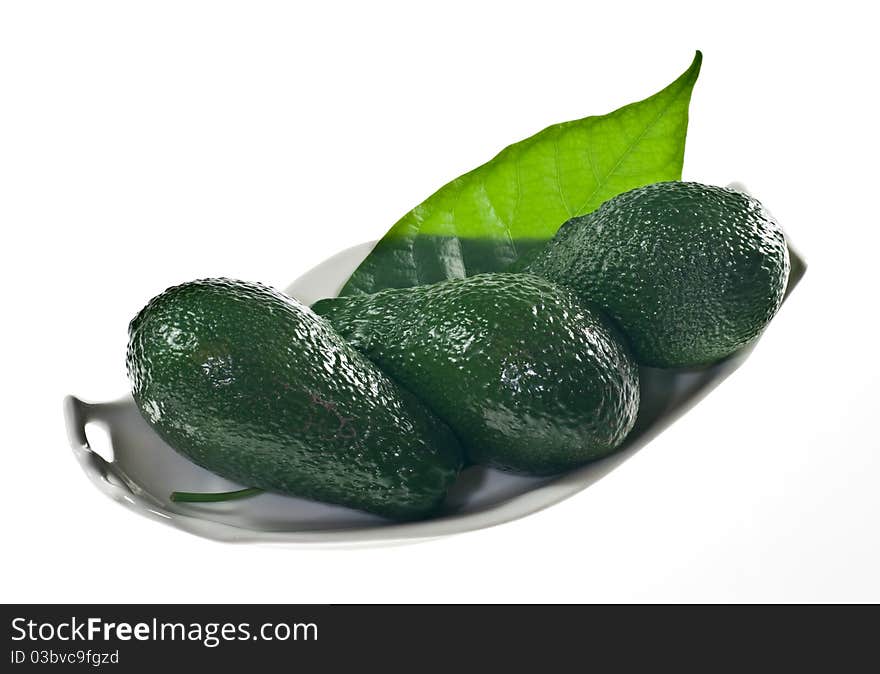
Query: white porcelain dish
x: 144, y: 470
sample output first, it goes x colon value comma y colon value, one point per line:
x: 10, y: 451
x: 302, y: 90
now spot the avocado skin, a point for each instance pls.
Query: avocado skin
x: 690, y: 272
x: 253, y: 386
x: 529, y: 378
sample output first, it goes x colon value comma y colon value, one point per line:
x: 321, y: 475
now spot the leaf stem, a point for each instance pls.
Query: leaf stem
x: 199, y: 497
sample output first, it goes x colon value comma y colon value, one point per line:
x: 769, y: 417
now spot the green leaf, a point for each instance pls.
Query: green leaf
x: 485, y: 220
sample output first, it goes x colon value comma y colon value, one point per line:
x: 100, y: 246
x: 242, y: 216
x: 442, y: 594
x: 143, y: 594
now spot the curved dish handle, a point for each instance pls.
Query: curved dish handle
x: 104, y: 473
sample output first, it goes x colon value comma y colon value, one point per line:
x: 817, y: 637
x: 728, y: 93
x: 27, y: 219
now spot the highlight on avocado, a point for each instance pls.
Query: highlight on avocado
x: 503, y: 321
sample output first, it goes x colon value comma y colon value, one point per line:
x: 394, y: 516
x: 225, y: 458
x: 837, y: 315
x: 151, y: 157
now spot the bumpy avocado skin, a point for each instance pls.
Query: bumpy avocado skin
x: 690, y: 272
x: 529, y: 378
x: 253, y: 386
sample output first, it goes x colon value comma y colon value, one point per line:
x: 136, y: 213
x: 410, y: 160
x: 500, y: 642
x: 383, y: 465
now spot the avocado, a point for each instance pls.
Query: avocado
x: 689, y: 272
x: 529, y: 378
x: 253, y: 386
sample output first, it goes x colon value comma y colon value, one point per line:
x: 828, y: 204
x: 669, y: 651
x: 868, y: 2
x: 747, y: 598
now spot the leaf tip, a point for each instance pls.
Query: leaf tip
x: 696, y: 63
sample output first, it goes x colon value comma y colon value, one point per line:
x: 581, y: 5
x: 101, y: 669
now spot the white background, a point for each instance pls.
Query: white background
x: 145, y: 144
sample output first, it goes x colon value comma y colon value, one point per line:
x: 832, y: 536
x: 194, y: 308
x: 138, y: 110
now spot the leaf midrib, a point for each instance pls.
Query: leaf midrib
x: 604, y: 181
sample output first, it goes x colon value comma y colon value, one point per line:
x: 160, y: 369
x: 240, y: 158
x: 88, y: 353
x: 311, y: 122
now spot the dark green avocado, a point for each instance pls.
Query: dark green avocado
x: 689, y: 272
x: 529, y: 378
x: 253, y: 386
